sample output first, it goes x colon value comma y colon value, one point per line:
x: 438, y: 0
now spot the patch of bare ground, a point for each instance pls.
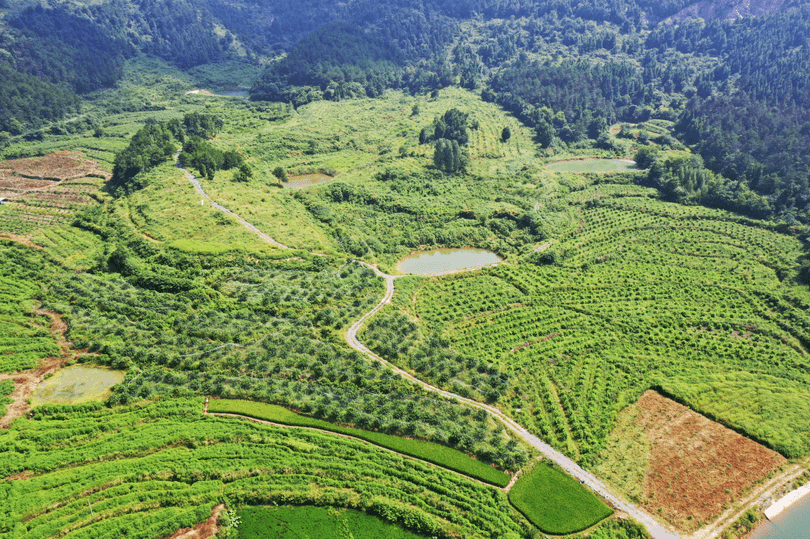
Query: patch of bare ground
x: 759, y: 496
x: 27, y: 381
x: 25, y: 240
x: 203, y: 530
x: 696, y: 466
x: 54, y: 167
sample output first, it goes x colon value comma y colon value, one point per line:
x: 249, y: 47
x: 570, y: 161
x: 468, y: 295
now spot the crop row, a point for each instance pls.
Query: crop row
x: 431, y: 452
x: 134, y: 465
x: 643, y: 293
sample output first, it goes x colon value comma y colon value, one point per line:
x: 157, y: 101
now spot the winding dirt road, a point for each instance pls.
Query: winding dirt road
x: 658, y: 530
x: 196, y: 183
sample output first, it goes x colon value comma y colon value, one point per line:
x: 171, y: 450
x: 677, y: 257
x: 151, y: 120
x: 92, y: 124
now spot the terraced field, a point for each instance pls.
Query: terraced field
x: 636, y: 293
x: 148, y: 470
x: 46, y: 191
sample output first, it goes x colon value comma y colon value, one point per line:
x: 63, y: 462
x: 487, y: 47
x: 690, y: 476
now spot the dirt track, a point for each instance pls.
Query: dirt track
x: 203, y: 530
x: 27, y: 381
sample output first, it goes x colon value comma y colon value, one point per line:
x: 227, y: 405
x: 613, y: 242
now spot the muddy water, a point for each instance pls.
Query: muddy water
x: 447, y: 260
x: 792, y: 523
x: 77, y: 384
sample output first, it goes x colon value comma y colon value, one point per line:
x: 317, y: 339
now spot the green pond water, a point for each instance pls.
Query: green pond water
x: 579, y: 166
x: 792, y: 523
x: 306, y: 180
x: 77, y: 384
x: 442, y: 260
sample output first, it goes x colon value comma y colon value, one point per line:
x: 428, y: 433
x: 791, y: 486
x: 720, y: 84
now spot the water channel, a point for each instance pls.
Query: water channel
x: 447, y: 260
x: 792, y: 523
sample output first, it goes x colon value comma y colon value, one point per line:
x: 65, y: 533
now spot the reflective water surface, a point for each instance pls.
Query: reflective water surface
x: 443, y: 260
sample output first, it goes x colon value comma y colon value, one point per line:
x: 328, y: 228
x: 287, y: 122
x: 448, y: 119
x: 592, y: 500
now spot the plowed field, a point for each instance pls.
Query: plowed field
x: 689, y: 467
x: 46, y: 190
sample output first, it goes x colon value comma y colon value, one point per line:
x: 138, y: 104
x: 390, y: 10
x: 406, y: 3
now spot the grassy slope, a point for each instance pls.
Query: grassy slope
x: 644, y: 293
x: 438, y: 454
x: 153, y: 468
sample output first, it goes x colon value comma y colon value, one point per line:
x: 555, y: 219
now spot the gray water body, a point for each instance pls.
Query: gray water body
x: 792, y: 523
x: 445, y: 260
x: 237, y: 93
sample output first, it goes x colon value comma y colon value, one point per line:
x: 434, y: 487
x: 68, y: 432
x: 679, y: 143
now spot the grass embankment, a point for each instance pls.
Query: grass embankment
x: 435, y: 453
x: 153, y: 468
x: 555, y: 502
x: 323, y: 522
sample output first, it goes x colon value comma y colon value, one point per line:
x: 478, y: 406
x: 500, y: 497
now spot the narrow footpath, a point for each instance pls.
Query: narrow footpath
x: 656, y: 529
x: 196, y: 183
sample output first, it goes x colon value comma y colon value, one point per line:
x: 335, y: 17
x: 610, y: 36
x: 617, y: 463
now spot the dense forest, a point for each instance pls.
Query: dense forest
x: 737, y: 90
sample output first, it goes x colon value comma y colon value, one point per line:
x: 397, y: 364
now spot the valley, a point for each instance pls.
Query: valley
x: 460, y: 271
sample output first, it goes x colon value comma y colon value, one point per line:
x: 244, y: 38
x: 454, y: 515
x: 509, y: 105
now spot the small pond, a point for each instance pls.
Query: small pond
x: 447, y: 260
x: 306, y: 180
x: 77, y: 384
x: 235, y: 93
x: 792, y: 523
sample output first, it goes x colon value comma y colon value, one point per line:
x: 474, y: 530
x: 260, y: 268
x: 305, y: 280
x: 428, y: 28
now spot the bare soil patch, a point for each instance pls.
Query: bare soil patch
x: 203, y: 530
x: 44, y: 191
x: 696, y: 466
x: 57, y: 166
x: 306, y: 180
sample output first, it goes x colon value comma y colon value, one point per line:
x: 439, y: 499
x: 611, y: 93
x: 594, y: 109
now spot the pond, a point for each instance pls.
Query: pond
x: 441, y: 261
x: 792, y: 523
x: 579, y: 166
x: 236, y: 93
x: 77, y: 384
x: 306, y: 180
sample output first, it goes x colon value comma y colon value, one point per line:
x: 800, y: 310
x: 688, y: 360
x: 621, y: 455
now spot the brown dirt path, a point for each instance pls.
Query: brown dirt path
x: 26, y: 382
x: 203, y: 530
x: 25, y: 240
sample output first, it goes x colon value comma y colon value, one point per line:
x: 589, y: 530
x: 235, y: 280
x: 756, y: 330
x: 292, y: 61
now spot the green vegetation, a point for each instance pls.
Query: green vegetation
x: 555, y: 502
x: 307, y: 521
x: 26, y: 337
x: 6, y: 389
x: 437, y: 454
x: 153, y: 468
x: 633, y: 293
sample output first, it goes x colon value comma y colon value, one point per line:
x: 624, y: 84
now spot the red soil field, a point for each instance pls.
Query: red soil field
x: 696, y: 466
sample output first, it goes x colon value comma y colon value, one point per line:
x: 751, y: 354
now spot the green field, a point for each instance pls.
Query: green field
x: 579, y: 166
x: 555, y: 502
x: 25, y: 338
x: 6, y: 388
x: 633, y: 293
x: 307, y: 521
x: 437, y: 454
x: 149, y: 469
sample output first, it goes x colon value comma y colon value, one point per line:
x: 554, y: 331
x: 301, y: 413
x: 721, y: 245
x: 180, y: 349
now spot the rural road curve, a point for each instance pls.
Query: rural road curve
x: 657, y: 530
x: 196, y: 183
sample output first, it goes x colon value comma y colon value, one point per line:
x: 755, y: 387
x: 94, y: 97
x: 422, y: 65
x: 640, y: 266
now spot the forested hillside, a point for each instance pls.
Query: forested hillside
x: 217, y: 199
x: 737, y: 90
